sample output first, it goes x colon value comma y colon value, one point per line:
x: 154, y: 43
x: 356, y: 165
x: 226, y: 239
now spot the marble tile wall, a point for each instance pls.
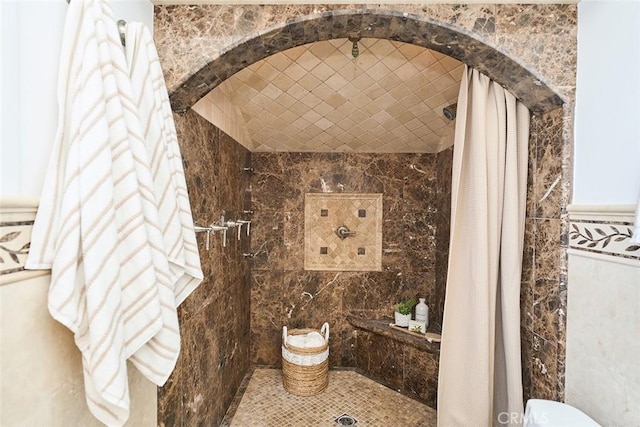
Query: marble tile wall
x: 214, y: 320
x: 533, y: 41
x: 543, y: 291
x: 401, y: 367
x: 283, y: 293
x: 530, y: 49
x: 444, y: 161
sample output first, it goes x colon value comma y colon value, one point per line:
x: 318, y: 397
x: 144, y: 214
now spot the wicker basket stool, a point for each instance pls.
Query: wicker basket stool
x: 305, y: 369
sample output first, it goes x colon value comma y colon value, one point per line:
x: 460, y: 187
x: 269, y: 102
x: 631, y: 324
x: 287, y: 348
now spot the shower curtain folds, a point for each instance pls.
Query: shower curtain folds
x: 480, y: 380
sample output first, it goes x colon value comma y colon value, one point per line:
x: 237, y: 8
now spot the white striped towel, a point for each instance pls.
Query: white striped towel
x: 161, y: 140
x: 97, y: 226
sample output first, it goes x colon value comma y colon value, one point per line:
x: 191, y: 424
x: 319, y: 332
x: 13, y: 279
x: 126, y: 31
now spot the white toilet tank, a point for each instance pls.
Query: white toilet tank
x: 547, y: 413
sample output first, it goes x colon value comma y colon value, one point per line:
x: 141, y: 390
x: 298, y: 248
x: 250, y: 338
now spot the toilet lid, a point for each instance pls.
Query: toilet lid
x: 550, y: 413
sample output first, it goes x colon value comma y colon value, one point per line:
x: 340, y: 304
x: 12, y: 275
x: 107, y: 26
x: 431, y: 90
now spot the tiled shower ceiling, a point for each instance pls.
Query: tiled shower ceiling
x: 319, y: 98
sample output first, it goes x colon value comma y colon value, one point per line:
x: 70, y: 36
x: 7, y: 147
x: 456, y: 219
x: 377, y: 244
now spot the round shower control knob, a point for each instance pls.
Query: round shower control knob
x: 343, y: 232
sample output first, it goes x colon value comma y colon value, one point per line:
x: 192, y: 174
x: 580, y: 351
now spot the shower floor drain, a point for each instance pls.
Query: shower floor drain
x: 346, y: 420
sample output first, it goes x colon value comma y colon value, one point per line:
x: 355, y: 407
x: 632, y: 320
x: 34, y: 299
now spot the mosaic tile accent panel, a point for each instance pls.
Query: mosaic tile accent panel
x: 16, y: 223
x: 326, y: 215
x: 266, y: 403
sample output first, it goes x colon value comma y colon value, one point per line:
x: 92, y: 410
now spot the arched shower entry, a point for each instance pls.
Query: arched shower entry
x: 384, y: 24
x: 243, y: 49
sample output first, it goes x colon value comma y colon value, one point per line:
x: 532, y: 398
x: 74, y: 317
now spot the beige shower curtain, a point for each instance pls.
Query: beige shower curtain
x: 480, y: 374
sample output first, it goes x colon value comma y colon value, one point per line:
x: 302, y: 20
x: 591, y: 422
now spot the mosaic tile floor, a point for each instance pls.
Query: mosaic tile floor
x: 265, y: 403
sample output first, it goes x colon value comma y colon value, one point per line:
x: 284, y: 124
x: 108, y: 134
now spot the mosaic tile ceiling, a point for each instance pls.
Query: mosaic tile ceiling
x: 319, y: 98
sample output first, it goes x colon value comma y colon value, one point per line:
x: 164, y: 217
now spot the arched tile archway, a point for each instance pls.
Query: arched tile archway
x: 385, y: 24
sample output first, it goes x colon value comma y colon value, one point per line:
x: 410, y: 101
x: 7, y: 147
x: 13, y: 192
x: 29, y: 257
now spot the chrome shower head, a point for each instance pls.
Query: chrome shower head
x: 450, y: 111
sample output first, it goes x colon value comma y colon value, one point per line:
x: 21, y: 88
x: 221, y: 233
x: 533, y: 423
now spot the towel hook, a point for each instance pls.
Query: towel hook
x: 121, y: 28
x: 122, y: 25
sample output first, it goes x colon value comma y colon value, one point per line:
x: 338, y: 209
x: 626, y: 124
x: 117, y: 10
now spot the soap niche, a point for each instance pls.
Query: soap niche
x: 343, y: 232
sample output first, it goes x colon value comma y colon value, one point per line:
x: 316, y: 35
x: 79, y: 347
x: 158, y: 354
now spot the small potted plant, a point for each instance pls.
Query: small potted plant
x: 402, y: 313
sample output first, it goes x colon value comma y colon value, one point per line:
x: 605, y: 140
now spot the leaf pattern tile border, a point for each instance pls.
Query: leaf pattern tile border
x: 16, y: 223
x: 603, y: 231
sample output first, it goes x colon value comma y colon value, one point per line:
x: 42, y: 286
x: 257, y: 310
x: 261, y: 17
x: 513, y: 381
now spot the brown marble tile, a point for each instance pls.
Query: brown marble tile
x: 526, y: 305
x: 534, y: 31
x: 297, y: 299
x: 279, y: 284
x: 543, y: 288
x: 547, y: 249
x: 528, y: 253
x: 546, y: 308
x: 293, y: 237
x: 548, y: 169
x: 444, y: 166
x: 568, y: 118
x: 421, y: 375
x: 283, y: 293
x: 194, y: 136
x: 565, y: 198
x: 170, y: 398
x: 543, y: 369
x: 266, y: 324
x: 561, y: 368
x: 228, y: 38
x: 271, y: 173
x: 215, y: 346
x: 526, y: 355
x: 478, y: 19
x: 267, y: 240
x: 380, y: 358
x: 540, y: 43
x: 196, y: 408
x: 534, y: 125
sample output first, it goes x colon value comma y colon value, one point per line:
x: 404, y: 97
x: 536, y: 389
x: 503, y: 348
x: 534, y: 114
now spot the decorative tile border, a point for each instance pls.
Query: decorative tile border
x: 603, y: 231
x: 16, y: 223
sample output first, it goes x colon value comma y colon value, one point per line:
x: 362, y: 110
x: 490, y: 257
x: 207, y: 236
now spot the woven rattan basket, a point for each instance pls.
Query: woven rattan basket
x: 305, y: 371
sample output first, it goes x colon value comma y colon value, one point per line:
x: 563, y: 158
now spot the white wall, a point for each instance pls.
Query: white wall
x: 40, y: 366
x: 31, y: 32
x: 607, y: 132
x: 603, y: 325
x: 603, y: 339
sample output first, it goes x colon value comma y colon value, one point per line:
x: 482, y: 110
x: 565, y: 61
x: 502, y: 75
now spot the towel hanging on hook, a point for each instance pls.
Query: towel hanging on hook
x: 121, y: 28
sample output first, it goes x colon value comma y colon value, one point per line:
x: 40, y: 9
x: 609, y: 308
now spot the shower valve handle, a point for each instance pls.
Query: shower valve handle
x: 244, y: 221
x: 343, y: 232
x: 222, y: 228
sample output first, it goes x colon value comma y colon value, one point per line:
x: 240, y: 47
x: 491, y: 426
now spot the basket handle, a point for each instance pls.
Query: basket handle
x: 325, y: 331
x: 284, y: 335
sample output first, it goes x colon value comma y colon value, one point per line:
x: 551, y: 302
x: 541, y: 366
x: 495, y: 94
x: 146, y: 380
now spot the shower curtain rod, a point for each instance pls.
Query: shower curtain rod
x: 121, y: 28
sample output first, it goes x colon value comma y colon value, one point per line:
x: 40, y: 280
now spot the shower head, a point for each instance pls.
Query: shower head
x: 450, y: 111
